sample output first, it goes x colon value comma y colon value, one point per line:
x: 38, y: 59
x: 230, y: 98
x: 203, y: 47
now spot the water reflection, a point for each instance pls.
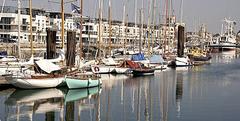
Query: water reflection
x: 196, y: 93
x: 179, y: 93
x: 51, y: 103
x: 226, y: 57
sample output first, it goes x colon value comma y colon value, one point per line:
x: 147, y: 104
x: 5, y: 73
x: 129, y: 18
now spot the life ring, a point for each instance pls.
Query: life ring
x: 96, y: 69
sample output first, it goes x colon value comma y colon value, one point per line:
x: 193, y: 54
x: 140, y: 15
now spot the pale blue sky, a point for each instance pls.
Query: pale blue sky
x: 196, y: 12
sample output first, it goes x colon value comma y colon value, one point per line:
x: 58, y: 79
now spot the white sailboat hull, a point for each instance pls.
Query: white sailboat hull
x: 182, y: 61
x: 120, y: 70
x: 29, y: 83
x: 102, y: 69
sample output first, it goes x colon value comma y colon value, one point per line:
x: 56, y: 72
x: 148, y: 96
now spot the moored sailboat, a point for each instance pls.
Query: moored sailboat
x: 49, y: 75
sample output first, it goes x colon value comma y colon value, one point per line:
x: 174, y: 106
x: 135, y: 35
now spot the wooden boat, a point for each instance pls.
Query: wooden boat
x: 199, y: 55
x: 124, y: 68
x: 82, y: 81
x: 52, y: 76
x: 139, y: 69
x: 40, y: 81
x: 143, y: 71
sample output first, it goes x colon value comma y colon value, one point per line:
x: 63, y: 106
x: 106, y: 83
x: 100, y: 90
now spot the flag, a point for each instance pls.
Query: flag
x: 75, y: 9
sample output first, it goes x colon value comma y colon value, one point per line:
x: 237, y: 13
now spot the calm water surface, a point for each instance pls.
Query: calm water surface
x: 204, y: 93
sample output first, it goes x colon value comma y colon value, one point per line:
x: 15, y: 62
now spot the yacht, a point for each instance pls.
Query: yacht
x: 228, y: 38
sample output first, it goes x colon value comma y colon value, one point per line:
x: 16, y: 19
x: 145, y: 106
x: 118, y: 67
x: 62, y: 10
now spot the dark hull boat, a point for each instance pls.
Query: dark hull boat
x: 143, y: 72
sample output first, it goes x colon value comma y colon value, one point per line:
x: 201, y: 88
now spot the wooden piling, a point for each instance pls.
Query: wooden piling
x: 71, y: 47
x: 180, y: 49
x: 51, y: 44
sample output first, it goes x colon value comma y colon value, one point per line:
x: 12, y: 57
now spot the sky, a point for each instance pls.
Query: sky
x: 195, y: 12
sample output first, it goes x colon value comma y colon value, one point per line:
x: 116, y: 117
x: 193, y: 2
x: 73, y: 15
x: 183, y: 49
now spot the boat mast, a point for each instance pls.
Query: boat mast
x: 100, y: 28
x: 81, y: 23
x: 165, y: 42
x: 124, y: 30
x: 149, y: 25
x: 19, y: 29
x: 110, y: 26
x: 31, y: 36
x: 153, y: 38
x: 62, y: 25
x: 135, y: 32
x: 141, y: 29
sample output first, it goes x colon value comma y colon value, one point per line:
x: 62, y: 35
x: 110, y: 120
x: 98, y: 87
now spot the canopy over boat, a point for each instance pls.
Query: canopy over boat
x: 156, y: 59
x: 130, y: 64
x: 47, y: 66
x: 109, y: 61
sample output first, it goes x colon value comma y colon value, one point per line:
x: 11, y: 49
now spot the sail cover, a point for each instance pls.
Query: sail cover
x: 47, y: 66
x: 156, y: 59
x: 138, y: 57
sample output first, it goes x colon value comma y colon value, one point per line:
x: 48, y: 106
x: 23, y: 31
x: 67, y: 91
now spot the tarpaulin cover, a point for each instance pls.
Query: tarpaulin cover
x: 138, y: 57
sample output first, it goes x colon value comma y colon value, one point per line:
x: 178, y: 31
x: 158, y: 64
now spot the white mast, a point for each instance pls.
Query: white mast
x: 100, y: 28
x: 124, y: 27
x: 136, y: 13
x: 135, y: 34
x: 149, y: 25
x: 19, y: 29
x: 110, y: 25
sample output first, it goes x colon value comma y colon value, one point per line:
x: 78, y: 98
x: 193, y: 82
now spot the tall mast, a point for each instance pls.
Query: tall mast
x: 136, y: 13
x: 165, y: 42
x: 124, y: 25
x: 62, y: 26
x: 100, y: 27
x: 149, y: 25
x: 135, y: 31
x: 141, y: 29
x: 31, y: 36
x: 110, y: 26
x: 81, y: 23
x: 153, y: 24
x: 19, y: 29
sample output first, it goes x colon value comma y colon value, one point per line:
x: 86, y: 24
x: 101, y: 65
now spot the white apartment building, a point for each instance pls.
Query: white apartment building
x: 41, y: 20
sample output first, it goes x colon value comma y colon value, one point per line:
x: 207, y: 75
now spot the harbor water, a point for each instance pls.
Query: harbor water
x: 202, y: 93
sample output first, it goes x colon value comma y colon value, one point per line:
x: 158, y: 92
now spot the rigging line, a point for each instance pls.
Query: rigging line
x: 172, y: 9
x: 51, y: 1
x: 2, y: 8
